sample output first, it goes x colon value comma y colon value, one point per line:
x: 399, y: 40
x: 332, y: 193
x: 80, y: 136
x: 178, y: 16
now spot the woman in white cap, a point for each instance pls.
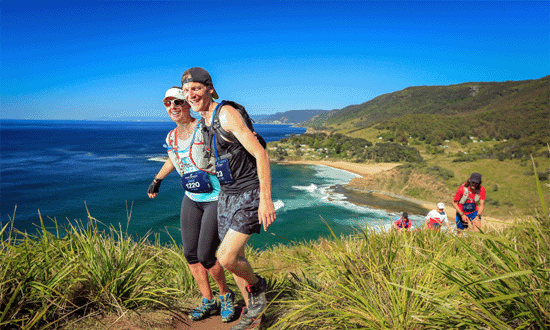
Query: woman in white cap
x: 198, y: 217
x: 436, y: 218
x: 469, y: 203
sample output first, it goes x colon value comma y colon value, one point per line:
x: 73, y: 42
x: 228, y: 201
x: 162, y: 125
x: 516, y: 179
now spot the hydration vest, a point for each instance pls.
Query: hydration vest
x: 466, y: 193
x: 402, y: 223
x: 201, y: 161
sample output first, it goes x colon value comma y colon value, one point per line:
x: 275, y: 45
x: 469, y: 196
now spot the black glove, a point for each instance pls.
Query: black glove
x: 154, y: 186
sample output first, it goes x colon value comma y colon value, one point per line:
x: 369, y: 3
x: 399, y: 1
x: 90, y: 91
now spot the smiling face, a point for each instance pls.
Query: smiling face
x: 177, y: 109
x: 199, y: 96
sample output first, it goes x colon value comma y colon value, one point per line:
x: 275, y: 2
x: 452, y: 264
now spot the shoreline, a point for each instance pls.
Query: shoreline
x: 358, y: 196
x: 360, y: 169
x: 352, y: 193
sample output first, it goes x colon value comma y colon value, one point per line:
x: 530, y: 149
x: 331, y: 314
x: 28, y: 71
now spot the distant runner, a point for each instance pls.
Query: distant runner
x: 469, y: 203
x: 436, y: 218
x: 403, y: 223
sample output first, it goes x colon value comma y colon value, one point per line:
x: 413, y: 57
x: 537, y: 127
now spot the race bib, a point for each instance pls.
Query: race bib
x: 469, y: 207
x: 196, y: 182
x: 223, y: 172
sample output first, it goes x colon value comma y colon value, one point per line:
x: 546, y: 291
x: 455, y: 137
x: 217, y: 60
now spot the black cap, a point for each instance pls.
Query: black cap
x: 405, y: 215
x: 199, y: 75
x: 475, y: 178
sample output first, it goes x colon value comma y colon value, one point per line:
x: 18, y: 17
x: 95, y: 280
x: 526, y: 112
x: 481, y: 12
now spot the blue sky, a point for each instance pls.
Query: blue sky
x: 113, y: 59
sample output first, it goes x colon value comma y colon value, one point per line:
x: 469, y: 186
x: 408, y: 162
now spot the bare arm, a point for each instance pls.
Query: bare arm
x: 166, y: 169
x: 446, y: 221
x: 481, y: 208
x: 455, y: 205
x: 394, y: 225
x: 459, y: 212
x: 231, y: 121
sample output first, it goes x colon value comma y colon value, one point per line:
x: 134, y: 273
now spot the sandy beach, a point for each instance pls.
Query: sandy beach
x: 361, y: 169
x: 359, y: 197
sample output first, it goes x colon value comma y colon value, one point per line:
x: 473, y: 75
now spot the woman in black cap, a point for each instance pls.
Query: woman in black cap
x: 469, y: 202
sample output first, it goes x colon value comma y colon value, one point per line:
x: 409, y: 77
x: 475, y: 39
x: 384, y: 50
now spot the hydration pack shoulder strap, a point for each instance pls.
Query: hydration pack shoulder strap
x: 170, y: 146
x: 466, y: 193
x: 218, y: 127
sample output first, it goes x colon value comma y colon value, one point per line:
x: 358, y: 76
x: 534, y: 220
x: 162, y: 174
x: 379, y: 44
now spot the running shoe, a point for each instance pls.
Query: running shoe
x: 227, y: 302
x: 247, y: 322
x: 257, y: 301
x: 205, y: 309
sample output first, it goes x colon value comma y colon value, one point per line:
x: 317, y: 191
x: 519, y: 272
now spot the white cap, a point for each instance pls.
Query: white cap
x: 175, y: 93
x: 440, y: 206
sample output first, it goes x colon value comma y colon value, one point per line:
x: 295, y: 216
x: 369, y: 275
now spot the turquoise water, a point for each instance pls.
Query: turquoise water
x: 62, y: 167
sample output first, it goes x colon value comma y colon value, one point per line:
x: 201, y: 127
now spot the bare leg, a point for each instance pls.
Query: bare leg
x: 476, y: 224
x: 201, y: 277
x: 231, y: 256
x: 241, y: 282
x: 218, y: 275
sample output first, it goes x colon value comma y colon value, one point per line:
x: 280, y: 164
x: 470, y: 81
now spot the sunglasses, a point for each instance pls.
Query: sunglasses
x: 177, y: 102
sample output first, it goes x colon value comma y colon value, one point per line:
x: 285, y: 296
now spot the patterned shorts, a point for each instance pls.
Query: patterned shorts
x: 239, y: 212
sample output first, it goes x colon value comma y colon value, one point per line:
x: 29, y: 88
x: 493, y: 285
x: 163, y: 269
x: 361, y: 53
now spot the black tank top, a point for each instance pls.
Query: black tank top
x: 242, y: 164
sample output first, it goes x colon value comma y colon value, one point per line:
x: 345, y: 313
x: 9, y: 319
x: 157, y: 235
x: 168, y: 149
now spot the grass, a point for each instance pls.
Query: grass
x: 426, y: 280
x: 47, y: 279
x: 374, y: 279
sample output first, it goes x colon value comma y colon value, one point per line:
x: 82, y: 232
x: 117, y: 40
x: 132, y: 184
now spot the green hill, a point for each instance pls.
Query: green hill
x: 490, y: 128
x: 489, y: 110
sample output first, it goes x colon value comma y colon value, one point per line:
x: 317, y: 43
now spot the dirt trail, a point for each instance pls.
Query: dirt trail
x: 161, y: 321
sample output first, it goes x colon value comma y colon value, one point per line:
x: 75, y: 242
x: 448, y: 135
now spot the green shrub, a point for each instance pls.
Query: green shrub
x: 493, y: 202
x: 465, y: 158
x: 543, y: 175
x: 441, y: 172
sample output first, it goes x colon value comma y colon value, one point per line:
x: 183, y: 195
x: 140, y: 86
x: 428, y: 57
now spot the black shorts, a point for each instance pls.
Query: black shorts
x: 239, y: 212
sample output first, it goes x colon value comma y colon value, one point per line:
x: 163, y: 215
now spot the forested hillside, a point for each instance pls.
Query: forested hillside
x: 338, y: 146
x: 511, y: 110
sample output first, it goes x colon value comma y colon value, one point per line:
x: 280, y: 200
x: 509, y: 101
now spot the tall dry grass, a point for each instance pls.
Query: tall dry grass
x: 425, y: 280
x: 374, y: 279
x: 47, y: 279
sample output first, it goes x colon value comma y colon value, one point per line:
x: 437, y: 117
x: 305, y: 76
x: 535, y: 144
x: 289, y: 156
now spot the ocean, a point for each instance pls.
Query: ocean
x: 63, y: 169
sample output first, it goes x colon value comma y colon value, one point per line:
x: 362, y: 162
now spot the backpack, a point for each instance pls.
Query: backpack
x: 218, y: 130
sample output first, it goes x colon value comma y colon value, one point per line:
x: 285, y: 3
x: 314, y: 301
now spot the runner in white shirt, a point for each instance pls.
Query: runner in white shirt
x: 435, y: 218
